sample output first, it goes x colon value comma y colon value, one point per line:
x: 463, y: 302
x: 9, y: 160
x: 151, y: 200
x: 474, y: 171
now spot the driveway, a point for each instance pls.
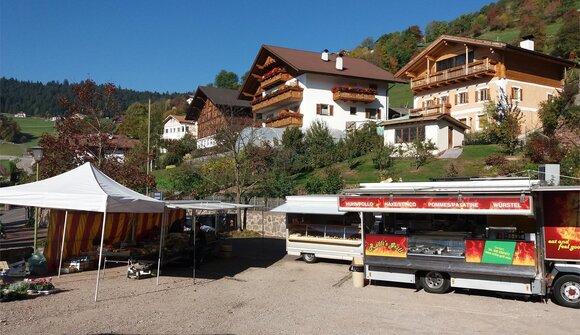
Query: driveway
x: 260, y: 290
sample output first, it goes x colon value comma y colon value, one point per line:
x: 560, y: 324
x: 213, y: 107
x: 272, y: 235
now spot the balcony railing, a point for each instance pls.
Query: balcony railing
x: 486, y: 67
x: 354, y: 94
x: 432, y: 110
x: 285, y: 119
x: 275, y: 79
x: 284, y: 94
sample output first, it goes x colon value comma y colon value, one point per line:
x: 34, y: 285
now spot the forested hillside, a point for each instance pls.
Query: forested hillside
x: 554, y: 24
x: 38, y: 99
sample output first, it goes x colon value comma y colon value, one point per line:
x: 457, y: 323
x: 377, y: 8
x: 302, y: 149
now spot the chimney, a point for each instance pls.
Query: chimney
x: 527, y: 42
x: 324, y: 56
x: 339, y: 62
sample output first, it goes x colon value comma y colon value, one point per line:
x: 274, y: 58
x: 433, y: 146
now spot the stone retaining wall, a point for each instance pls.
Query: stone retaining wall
x: 273, y: 224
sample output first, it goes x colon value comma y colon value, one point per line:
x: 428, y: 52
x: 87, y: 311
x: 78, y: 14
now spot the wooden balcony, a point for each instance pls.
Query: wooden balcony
x: 285, y: 120
x: 276, y: 79
x: 344, y: 95
x: 432, y: 110
x: 285, y: 94
x: 478, y: 69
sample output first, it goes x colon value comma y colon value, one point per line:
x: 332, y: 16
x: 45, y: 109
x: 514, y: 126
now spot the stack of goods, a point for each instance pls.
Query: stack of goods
x: 77, y: 264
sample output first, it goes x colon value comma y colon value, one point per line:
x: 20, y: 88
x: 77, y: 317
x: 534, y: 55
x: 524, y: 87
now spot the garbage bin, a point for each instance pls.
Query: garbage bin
x: 358, y: 275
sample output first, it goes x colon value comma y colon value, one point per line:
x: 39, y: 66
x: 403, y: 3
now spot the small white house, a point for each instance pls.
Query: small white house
x: 175, y: 127
x: 20, y: 115
x: 442, y: 129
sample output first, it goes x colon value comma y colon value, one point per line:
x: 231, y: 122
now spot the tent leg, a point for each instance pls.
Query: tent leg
x: 100, y: 255
x: 161, y: 238
x: 62, y: 244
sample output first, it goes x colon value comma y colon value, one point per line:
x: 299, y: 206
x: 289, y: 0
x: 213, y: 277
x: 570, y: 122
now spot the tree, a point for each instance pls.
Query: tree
x: 319, y: 145
x: 84, y: 135
x: 435, y: 29
x: 532, y: 24
x: 9, y: 129
x: 566, y: 40
x: 503, y: 121
x: 382, y: 157
x: 421, y: 151
x: 225, y: 79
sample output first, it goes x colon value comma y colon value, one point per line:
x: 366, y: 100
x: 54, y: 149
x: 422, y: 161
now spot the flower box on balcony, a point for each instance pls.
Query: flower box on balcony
x: 355, y: 94
x: 274, y: 79
x: 285, y: 119
x: 283, y: 94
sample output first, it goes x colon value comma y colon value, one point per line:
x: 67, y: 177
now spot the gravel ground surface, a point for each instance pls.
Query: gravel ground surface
x: 260, y: 290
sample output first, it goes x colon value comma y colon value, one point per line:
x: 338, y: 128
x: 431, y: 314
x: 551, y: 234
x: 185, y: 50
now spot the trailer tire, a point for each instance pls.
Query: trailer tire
x: 435, y: 282
x: 309, y: 258
x: 566, y: 291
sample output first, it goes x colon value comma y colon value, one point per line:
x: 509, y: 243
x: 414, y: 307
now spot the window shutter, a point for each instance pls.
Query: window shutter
x: 513, y: 93
x: 477, y: 93
x: 466, y: 97
x: 521, y: 94
x: 456, y: 97
x: 378, y: 113
x: 318, y: 109
x: 367, y: 113
x: 330, y: 109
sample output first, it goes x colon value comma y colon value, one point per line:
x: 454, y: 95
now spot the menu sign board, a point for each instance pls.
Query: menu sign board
x: 508, y: 205
x: 386, y: 245
x: 561, y: 225
x: 500, y: 252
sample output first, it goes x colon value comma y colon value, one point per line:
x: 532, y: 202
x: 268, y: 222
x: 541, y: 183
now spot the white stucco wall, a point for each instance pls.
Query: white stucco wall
x: 437, y: 132
x: 174, y: 130
x: 318, y: 90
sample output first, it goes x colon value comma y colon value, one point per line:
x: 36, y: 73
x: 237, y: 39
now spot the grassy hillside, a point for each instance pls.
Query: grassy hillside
x: 470, y: 164
x: 32, y: 128
x: 401, y: 96
x: 511, y: 35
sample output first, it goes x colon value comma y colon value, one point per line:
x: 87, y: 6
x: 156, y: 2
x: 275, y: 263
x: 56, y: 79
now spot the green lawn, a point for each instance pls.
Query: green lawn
x: 33, y: 128
x: 470, y: 164
x: 401, y: 96
x: 513, y: 34
x: 9, y: 149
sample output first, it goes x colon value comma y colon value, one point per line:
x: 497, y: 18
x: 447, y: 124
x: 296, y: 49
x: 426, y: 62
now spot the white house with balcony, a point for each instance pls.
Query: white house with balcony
x: 176, y: 126
x: 289, y: 87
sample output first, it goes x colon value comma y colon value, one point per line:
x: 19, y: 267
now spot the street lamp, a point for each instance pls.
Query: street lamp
x: 37, y: 153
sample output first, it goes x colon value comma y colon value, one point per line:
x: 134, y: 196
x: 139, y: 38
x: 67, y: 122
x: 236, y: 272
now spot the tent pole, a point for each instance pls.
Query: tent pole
x: 62, y: 245
x: 101, y: 254
x: 161, y: 238
x: 193, y: 225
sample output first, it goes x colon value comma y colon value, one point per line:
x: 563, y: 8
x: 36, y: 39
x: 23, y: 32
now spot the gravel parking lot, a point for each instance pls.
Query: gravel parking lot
x: 260, y: 290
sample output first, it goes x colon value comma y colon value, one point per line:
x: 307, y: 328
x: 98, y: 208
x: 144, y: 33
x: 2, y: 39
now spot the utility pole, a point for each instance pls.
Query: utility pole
x: 148, y: 139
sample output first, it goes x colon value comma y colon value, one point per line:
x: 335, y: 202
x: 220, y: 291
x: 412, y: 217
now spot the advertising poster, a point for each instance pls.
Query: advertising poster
x: 474, y: 250
x: 386, y: 245
x: 498, y: 252
x: 562, y: 229
x: 525, y: 254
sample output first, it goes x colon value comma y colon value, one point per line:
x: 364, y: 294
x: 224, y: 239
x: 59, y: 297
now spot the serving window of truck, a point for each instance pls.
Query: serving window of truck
x: 484, y: 234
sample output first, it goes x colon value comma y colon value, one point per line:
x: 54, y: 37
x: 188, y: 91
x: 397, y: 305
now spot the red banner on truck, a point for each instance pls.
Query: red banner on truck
x: 561, y: 225
x: 507, y: 205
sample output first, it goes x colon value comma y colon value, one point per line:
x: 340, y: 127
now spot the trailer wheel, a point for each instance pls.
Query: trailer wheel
x: 435, y: 282
x: 309, y: 258
x: 567, y: 291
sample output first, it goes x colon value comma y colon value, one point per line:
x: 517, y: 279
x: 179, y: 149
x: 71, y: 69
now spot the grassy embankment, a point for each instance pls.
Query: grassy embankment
x: 32, y: 128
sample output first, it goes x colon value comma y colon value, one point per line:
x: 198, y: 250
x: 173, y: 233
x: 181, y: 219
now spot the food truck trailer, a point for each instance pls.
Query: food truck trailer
x: 315, y: 228
x: 504, y: 235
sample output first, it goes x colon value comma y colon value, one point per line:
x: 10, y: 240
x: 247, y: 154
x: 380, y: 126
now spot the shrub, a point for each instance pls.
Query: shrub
x: 314, y: 185
x: 451, y: 170
x: 476, y: 138
x: 497, y: 160
x: 382, y: 156
x: 542, y: 150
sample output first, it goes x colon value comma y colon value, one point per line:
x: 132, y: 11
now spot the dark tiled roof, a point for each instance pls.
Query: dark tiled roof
x: 220, y: 97
x: 301, y: 61
x: 410, y: 119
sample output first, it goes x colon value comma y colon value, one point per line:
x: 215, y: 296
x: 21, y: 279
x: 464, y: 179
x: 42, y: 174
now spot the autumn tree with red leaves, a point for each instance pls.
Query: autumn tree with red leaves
x: 85, y: 135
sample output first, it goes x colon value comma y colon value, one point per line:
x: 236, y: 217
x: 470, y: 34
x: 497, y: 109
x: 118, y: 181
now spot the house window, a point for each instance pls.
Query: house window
x: 410, y: 134
x: 353, y: 111
x: 323, y: 109
x: 454, y: 61
x: 517, y: 94
x: 166, y: 130
x: 550, y: 97
x: 444, y: 99
x: 463, y: 120
x: 373, y: 86
x: 461, y: 98
x: 482, y: 95
x: 372, y: 113
x: 481, y: 121
x: 429, y: 102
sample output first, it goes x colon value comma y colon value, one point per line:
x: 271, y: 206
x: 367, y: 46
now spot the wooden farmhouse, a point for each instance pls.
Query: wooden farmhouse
x: 459, y: 75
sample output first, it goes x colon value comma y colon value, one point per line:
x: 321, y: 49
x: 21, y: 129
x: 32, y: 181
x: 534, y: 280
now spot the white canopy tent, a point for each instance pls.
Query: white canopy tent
x: 86, y: 189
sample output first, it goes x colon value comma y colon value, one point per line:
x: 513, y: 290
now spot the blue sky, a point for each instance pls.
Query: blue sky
x: 175, y: 46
